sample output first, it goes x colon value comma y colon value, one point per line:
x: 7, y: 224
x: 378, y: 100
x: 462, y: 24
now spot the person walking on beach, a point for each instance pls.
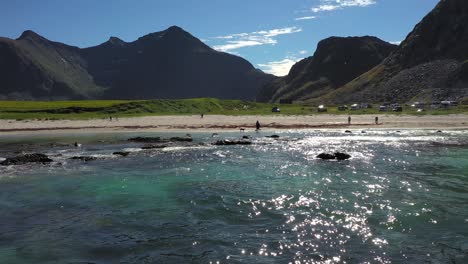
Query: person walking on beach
x: 257, y: 125
x: 376, y: 120
x: 349, y: 120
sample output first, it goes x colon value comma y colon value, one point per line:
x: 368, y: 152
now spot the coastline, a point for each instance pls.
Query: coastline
x: 234, y: 123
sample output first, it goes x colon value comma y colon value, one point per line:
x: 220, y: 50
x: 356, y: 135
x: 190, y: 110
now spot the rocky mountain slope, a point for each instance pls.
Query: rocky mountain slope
x: 336, y: 61
x: 34, y: 67
x: 166, y: 64
x: 430, y: 64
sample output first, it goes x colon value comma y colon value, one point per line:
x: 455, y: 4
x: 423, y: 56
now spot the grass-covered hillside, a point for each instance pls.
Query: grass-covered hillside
x: 208, y: 106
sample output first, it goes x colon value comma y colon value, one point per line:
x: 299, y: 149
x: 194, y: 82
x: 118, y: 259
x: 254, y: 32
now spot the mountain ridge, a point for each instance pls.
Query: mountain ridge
x: 430, y: 64
x: 336, y: 61
x: 165, y: 64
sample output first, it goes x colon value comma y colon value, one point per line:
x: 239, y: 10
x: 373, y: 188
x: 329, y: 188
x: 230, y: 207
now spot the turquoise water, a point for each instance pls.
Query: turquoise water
x: 402, y: 198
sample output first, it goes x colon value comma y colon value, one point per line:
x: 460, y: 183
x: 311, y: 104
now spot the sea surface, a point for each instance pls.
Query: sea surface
x: 401, y: 198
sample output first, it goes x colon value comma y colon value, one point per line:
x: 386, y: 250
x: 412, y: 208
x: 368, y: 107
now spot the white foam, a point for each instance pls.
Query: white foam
x: 170, y: 149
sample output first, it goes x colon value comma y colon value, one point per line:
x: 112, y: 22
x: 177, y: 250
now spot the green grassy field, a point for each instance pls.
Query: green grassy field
x: 103, y: 109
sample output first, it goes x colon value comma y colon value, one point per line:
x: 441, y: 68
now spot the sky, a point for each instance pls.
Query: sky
x: 271, y: 34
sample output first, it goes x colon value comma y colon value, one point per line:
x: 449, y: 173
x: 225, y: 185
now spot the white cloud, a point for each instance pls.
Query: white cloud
x: 279, y: 68
x: 303, y: 52
x: 330, y: 5
x: 395, y: 42
x: 242, y: 40
x: 321, y: 8
x: 305, y: 18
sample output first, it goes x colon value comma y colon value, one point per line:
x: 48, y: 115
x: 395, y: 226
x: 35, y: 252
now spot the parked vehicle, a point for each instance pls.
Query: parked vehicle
x: 383, y: 108
x: 321, y: 109
x: 342, y: 108
x: 355, y: 107
x: 397, y: 109
x: 365, y: 106
x: 276, y: 109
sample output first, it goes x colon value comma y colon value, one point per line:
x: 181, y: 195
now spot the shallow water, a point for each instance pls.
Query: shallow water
x: 402, y: 198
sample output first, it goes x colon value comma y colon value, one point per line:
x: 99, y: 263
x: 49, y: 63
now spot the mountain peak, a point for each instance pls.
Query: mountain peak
x: 29, y: 34
x: 116, y: 41
x: 175, y: 29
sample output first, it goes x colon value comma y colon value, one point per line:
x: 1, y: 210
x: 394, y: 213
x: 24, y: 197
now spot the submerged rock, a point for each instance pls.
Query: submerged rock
x: 336, y: 155
x: 273, y: 136
x: 348, y: 131
x: 121, y: 153
x: 146, y: 139
x: 342, y: 156
x: 228, y: 142
x: 326, y: 156
x: 83, y: 158
x: 28, y: 158
x: 181, y: 139
x: 160, y: 146
x: 187, y: 138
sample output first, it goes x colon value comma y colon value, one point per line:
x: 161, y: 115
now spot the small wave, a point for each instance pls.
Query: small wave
x: 132, y: 149
x: 171, y: 149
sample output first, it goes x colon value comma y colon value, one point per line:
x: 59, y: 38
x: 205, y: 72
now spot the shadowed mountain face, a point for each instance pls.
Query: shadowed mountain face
x: 167, y: 64
x: 34, y: 67
x: 336, y: 62
x: 431, y: 64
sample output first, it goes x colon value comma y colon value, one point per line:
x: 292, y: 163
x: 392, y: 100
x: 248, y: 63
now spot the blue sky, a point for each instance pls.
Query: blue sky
x: 271, y: 34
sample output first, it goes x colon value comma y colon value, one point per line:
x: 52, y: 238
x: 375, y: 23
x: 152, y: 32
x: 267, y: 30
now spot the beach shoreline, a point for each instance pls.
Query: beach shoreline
x: 213, y: 123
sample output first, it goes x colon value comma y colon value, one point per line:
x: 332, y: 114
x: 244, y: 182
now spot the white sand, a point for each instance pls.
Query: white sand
x: 219, y: 122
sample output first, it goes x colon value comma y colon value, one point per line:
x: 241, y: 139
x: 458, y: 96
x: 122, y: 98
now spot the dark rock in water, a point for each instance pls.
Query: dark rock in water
x: 159, y: 139
x: 245, y: 137
x: 181, y: 139
x: 273, y: 136
x: 342, y: 156
x: 154, y: 147
x: 336, y: 155
x: 348, y: 131
x: 363, y: 132
x: 28, y: 158
x: 83, y: 158
x: 439, y: 131
x: 146, y: 139
x: 121, y: 153
x: 228, y: 142
x: 326, y: 156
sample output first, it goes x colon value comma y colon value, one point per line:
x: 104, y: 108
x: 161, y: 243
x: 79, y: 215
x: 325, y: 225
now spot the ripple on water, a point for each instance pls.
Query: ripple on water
x: 400, y: 199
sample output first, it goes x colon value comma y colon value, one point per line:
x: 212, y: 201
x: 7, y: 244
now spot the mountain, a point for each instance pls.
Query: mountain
x: 336, y: 61
x: 430, y: 64
x: 167, y: 64
x: 33, y: 67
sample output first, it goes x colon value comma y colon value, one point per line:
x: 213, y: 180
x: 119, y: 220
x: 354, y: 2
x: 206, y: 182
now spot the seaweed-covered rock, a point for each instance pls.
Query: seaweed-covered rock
x: 181, y: 139
x: 83, y: 158
x: 228, y: 142
x: 146, y: 139
x: 28, y: 158
x: 342, y: 156
x: 326, y: 156
x: 152, y: 146
x: 336, y: 155
x: 121, y: 153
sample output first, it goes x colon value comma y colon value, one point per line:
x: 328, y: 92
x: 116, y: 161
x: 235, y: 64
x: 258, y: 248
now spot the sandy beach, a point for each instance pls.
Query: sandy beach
x: 219, y: 122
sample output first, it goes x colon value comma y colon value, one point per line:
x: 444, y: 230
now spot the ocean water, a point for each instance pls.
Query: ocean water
x: 402, y: 198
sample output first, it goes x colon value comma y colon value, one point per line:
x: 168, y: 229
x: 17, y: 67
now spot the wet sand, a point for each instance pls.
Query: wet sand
x: 220, y: 122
